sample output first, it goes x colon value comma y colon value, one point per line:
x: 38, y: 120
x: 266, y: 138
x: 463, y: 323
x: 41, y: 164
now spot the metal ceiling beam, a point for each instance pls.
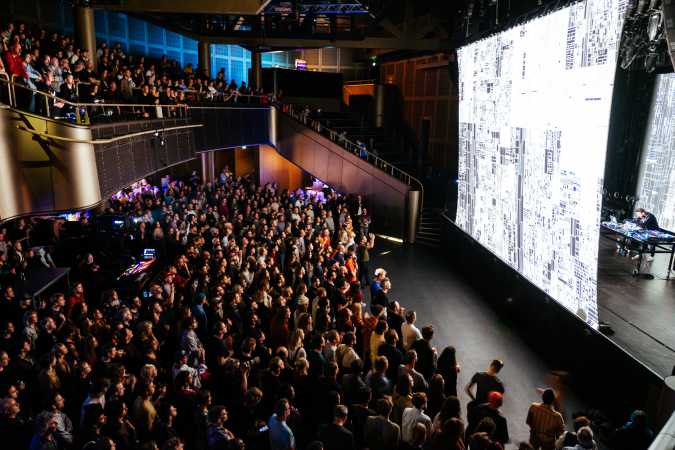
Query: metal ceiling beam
x: 253, y: 42
x: 370, y: 42
x: 318, y: 8
x: 230, y: 7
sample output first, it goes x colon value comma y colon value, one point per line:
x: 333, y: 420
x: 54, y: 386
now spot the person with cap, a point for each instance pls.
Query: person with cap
x: 584, y: 440
x: 546, y: 424
x: 489, y: 409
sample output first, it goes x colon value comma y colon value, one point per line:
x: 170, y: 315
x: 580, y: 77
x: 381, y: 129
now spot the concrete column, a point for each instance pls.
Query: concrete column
x: 379, y: 105
x: 85, y: 33
x: 272, y: 129
x: 208, y: 167
x: 256, y: 70
x: 412, y: 212
x: 204, y: 57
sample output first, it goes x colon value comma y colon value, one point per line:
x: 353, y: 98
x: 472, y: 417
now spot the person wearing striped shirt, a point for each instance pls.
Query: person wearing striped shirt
x: 546, y: 424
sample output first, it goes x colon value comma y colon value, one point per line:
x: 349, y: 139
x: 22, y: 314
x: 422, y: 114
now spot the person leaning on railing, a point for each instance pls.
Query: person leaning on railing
x: 44, y: 105
x: 68, y: 92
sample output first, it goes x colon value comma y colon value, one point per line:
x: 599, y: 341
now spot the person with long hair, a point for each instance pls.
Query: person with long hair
x: 448, y: 367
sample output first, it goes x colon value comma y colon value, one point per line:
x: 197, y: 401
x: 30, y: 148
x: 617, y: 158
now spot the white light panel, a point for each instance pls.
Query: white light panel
x: 656, y: 183
x: 533, y: 122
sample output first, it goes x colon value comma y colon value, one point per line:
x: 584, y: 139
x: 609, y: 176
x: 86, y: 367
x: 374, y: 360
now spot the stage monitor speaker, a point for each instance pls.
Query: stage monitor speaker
x: 669, y: 21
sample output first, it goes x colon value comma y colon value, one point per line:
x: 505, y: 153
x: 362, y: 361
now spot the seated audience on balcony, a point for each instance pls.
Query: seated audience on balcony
x: 28, y: 55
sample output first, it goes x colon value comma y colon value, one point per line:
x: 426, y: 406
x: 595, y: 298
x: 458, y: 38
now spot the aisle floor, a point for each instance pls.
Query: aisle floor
x: 423, y: 281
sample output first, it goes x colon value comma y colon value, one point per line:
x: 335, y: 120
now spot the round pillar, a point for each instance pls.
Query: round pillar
x: 204, y: 57
x: 256, y: 70
x: 85, y: 33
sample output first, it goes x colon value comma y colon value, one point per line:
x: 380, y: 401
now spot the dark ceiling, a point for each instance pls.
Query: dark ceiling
x: 400, y: 25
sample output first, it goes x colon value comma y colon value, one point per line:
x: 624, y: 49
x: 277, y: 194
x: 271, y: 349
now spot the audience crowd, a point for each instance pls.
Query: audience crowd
x: 255, y: 334
x: 54, y: 64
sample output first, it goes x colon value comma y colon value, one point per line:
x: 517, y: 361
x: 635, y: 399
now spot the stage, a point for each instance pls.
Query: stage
x: 640, y: 311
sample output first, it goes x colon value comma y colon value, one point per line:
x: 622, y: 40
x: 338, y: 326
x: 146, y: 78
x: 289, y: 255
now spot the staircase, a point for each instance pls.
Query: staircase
x: 429, y: 228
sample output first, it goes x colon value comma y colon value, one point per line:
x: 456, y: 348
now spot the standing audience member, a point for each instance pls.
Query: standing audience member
x: 634, y: 434
x: 281, y: 436
x: 426, y: 354
x: 490, y: 410
x: 414, y: 415
x: 584, y: 440
x: 380, y: 433
x: 410, y: 332
x: 485, y: 383
x: 569, y: 438
x: 546, y: 424
x: 334, y: 435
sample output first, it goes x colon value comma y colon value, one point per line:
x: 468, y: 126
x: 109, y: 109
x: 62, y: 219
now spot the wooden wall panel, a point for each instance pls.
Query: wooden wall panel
x: 427, y: 91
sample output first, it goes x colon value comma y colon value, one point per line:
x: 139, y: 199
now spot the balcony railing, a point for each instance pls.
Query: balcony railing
x: 20, y: 96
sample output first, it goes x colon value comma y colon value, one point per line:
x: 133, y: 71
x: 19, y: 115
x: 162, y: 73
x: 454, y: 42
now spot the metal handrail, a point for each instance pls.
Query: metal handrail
x: 81, y: 108
x: 341, y: 140
x: 357, y: 82
x: 9, y: 90
x: 13, y: 85
x: 105, y: 141
x: 68, y: 102
x: 204, y: 94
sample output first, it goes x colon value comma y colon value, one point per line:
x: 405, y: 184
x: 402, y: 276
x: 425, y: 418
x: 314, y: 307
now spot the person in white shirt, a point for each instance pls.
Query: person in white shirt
x: 415, y: 415
x: 345, y: 353
x: 409, y: 331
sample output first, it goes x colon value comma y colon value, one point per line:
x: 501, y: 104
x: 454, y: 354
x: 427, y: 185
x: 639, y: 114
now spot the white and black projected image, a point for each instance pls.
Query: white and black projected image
x: 656, y: 183
x: 533, y: 121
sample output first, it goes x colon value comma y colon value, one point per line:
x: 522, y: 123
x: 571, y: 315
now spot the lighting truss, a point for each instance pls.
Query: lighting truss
x: 318, y: 8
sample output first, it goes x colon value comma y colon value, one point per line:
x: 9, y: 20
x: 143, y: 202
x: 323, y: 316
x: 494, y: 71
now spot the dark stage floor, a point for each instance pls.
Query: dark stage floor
x: 641, y: 312
x: 424, y: 282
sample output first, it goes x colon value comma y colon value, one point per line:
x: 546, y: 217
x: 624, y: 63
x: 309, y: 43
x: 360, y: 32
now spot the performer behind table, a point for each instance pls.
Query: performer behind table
x: 646, y: 220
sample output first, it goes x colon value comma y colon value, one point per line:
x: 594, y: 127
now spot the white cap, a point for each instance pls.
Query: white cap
x: 380, y: 271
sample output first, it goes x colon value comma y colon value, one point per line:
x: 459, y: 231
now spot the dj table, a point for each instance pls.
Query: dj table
x: 628, y: 235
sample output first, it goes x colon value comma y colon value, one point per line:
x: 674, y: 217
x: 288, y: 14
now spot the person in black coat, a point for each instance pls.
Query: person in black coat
x: 334, y: 435
x: 448, y: 367
x: 426, y: 355
x: 491, y: 410
x: 393, y: 354
x: 646, y: 219
x: 68, y: 92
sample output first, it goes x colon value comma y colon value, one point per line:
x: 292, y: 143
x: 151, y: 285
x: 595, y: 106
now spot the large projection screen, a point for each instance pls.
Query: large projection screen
x: 656, y: 182
x: 534, y: 106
